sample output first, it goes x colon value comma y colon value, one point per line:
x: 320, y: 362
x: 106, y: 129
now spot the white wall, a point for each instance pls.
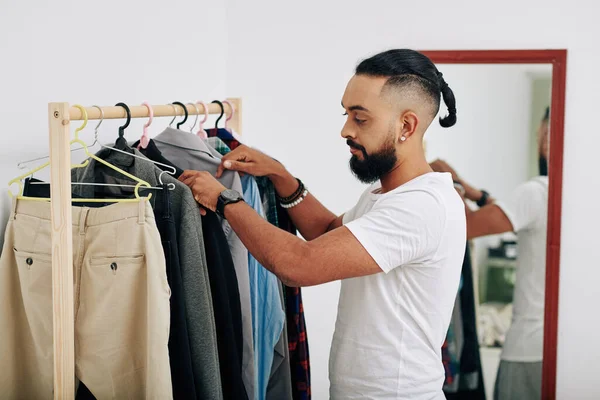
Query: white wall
x: 489, y: 146
x: 101, y: 53
x: 293, y: 59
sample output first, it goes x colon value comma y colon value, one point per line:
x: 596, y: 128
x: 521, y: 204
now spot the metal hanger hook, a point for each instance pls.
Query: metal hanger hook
x: 174, y: 108
x: 171, y: 185
x: 197, y: 116
x: 97, y: 128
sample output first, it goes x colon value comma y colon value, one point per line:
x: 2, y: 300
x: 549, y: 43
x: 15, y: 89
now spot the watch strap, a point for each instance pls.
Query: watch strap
x: 483, y: 199
x: 222, y: 201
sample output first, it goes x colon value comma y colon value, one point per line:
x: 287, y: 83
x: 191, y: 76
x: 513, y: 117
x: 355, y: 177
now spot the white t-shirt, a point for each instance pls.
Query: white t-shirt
x: 391, y: 325
x: 527, y: 210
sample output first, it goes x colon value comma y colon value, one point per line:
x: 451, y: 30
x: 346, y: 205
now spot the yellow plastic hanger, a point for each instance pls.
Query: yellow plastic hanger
x: 139, y: 181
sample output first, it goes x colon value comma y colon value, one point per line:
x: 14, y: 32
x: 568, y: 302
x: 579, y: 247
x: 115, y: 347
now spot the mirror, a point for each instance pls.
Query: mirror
x: 499, y: 151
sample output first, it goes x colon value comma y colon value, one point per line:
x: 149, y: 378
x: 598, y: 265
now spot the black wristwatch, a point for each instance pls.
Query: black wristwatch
x: 483, y: 199
x: 227, y: 196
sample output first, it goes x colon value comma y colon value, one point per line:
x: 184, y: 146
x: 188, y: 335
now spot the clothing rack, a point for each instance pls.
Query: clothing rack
x: 59, y: 117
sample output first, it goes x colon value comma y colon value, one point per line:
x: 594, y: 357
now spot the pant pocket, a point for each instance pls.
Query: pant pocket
x: 35, y: 277
x: 34, y: 345
x: 111, y: 326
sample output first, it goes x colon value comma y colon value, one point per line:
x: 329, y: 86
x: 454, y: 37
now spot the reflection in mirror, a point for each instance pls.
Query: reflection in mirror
x: 498, y: 153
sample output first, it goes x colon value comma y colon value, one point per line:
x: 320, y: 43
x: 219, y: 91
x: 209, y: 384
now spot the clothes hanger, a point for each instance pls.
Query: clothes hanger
x: 201, y: 132
x: 222, y: 112
x: 139, y: 181
x: 121, y: 143
x: 23, y: 164
x: 144, y: 140
x: 171, y: 170
x: 230, y: 130
x: 175, y: 116
x: 197, y: 116
x: 184, y: 110
x: 223, y: 134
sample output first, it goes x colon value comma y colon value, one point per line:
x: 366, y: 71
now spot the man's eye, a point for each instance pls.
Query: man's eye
x: 358, y: 121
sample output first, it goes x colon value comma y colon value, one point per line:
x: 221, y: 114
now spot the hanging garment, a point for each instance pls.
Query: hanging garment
x: 452, y: 350
x: 226, y: 303
x: 189, y: 151
x: 199, y: 313
x: 298, y: 352
x: 267, y: 312
x: 121, y: 299
x: 270, y: 343
x: 225, y: 293
x: 469, y: 380
x: 225, y: 136
x: 182, y: 377
x: 218, y: 144
x: 295, y: 355
x: 280, y: 381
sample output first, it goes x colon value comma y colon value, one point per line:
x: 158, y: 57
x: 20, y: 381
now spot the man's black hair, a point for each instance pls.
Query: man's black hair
x: 542, y: 162
x: 405, y: 67
x: 546, y: 115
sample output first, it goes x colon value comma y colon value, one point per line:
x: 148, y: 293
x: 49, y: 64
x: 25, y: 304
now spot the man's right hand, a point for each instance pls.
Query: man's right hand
x: 249, y: 161
x: 310, y: 217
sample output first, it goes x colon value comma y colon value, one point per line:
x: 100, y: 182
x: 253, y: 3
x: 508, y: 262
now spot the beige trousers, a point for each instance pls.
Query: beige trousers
x: 121, y: 299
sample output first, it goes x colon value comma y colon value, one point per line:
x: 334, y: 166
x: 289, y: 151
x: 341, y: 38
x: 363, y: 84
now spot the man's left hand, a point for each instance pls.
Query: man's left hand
x: 205, y: 188
x: 442, y: 166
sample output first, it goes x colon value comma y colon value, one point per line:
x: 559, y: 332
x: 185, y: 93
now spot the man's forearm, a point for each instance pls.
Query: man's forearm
x: 310, y: 217
x: 278, y: 251
x: 472, y: 193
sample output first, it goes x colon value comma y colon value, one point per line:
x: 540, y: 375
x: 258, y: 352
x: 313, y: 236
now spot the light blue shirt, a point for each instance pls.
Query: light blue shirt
x: 268, y: 316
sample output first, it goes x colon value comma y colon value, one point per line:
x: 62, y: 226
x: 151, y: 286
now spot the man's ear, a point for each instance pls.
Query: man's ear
x: 409, y: 123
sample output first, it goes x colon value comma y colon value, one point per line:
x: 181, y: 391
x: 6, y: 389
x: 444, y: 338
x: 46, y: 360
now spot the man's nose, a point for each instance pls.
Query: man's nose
x: 348, y: 132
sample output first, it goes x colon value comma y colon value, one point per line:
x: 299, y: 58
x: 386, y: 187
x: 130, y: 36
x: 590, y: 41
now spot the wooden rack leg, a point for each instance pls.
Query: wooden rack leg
x: 236, y: 122
x: 62, y: 252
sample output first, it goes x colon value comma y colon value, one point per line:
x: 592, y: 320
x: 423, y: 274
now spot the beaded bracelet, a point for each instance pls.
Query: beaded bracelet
x: 297, y: 201
x: 294, y: 196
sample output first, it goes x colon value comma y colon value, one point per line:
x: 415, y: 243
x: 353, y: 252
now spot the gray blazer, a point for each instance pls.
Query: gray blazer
x: 196, y: 286
x: 189, y: 151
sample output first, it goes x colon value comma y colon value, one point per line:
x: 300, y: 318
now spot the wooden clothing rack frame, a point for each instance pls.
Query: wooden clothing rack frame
x: 60, y: 116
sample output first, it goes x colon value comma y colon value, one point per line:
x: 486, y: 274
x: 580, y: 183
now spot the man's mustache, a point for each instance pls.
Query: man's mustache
x: 356, y: 146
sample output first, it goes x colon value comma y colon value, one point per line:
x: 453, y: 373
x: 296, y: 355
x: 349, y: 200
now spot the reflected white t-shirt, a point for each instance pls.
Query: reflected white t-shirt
x: 391, y: 325
x: 527, y: 210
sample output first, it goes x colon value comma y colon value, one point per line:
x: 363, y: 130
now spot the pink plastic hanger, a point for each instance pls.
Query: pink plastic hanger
x: 144, y: 140
x: 234, y: 134
x: 201, y: 132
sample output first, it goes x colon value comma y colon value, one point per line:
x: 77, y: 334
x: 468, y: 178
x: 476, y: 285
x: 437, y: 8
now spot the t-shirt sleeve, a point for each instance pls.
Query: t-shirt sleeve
x: 400, y: 229
x: 524, y: 207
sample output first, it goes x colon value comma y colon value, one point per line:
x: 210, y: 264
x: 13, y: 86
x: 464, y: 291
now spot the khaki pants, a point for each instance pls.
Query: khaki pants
x: 121, y: 299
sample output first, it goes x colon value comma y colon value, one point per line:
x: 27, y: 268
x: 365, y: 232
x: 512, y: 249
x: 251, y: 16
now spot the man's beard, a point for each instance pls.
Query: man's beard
x: 372, y: 167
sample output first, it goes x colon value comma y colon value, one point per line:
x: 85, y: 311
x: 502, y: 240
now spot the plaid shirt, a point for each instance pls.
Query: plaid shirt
x: 450, y: 361
x: 296, y: 324
x: 231, y: 143
x: 217, y: 144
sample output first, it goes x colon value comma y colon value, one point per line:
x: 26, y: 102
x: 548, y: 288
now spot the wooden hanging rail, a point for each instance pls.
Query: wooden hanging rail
x: 162, y: 110
x: 59, y: 117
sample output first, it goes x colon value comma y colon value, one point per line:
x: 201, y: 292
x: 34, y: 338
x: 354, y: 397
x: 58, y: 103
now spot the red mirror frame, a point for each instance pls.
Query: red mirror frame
x: 558, y: 59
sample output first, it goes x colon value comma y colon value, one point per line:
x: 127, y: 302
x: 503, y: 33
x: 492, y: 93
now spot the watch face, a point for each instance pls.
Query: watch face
x: 230, y: 195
